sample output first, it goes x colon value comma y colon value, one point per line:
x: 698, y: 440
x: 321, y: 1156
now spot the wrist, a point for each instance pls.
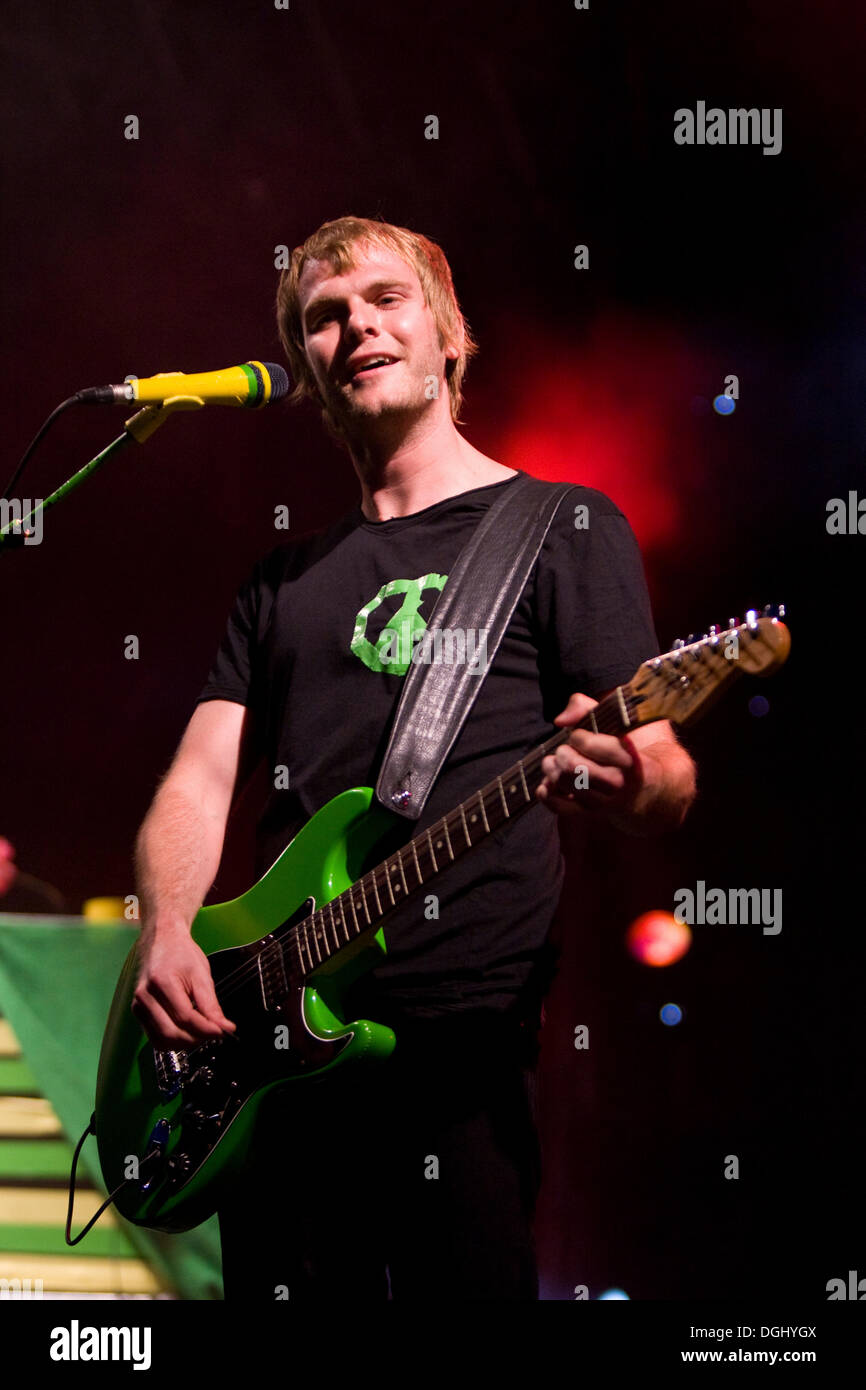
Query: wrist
x: 165, y: 923
x: 662, y: 798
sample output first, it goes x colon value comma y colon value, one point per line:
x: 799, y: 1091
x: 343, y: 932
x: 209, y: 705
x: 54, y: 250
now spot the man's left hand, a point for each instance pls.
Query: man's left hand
x: 643, y: 782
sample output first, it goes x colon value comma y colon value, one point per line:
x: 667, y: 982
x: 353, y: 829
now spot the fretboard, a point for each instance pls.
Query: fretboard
x: 416, y: 864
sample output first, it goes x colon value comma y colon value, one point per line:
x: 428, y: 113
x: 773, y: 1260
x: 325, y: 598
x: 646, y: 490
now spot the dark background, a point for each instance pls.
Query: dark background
x: 556, y: 128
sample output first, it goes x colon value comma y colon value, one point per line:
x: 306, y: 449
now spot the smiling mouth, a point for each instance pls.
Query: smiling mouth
x: 371, y: 370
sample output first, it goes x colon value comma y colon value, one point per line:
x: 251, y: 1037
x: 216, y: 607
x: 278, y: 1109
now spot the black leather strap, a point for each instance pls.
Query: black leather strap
x: 470, y: 617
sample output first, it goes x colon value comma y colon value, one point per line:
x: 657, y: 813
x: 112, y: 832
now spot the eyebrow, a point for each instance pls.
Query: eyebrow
x: 328, y: 301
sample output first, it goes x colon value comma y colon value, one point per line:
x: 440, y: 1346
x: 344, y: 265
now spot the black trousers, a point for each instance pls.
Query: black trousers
x: 416, y: 1179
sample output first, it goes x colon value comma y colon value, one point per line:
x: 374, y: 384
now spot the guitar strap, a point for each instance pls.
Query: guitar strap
x: 477, y: 601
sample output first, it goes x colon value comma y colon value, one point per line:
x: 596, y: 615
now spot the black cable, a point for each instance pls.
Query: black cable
x: 111, y: 1196
x: 64, y: 405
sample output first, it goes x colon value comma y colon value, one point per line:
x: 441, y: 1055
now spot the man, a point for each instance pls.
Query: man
x: 423, y: 1175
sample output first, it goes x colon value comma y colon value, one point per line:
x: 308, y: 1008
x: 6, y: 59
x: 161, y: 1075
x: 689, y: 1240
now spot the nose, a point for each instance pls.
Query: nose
x: 363, y: 318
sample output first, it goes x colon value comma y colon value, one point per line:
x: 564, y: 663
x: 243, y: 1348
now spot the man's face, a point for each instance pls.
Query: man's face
x: 375, y: 310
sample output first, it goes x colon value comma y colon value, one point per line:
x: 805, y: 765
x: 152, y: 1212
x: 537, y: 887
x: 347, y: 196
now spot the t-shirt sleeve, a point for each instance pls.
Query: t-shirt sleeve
x: 233, y: 673
x: 593, y: 607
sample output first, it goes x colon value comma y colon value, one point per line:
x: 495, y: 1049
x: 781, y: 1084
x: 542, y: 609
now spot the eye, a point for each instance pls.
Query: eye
x: 386, y: 297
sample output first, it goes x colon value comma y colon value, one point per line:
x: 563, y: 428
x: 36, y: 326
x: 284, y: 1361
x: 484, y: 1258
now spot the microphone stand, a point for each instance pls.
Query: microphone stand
x: 137, y: 428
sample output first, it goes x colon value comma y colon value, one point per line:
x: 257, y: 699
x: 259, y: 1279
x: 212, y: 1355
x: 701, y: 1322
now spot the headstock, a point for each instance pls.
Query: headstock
x: 681, y: 684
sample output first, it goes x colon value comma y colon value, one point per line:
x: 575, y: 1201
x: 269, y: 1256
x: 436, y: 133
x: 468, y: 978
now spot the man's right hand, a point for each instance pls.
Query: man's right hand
x: 175, y: 1001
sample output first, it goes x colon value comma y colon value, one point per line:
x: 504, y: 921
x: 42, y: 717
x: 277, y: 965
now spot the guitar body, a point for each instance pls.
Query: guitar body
x: 181, y: 1122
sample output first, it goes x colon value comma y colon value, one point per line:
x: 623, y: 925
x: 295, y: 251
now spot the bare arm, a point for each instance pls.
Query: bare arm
x: 177, y: 855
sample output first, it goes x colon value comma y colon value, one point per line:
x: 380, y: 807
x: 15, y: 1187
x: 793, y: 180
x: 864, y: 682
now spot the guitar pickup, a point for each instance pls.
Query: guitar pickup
x: 272, y: 977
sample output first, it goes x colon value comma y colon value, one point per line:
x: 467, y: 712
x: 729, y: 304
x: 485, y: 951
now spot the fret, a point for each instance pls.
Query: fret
x: 523, y: 780
x: 465, y: 826
x: 388, y: 882
x: 333, y: 930
x: 351, y: 897
x: 417, y: 865
x: 483, y: 811
x: 447, y: 836
x: 402, y: 874
x: 360, y: 884
x: 306, y: 946
x: 390, y: 867
x: 433, y: 854
x: 316, y: 934
x: 622, y: 709
x: 376, y: 892
x: 502, y: 794
x: 340, y: 920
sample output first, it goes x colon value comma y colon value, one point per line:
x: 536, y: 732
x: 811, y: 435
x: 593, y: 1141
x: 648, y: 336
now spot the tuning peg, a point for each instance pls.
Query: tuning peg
x: 752, y: 621
x: 774, y: 610
x: 733, y: 622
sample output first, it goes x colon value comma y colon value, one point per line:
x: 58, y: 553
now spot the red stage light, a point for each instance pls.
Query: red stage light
x: 657, y: 938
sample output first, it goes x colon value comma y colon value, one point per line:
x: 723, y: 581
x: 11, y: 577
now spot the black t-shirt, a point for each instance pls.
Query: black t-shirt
x: 317, y: 645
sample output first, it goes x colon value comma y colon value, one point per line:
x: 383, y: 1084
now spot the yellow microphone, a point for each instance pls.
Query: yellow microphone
x: 252, y: 385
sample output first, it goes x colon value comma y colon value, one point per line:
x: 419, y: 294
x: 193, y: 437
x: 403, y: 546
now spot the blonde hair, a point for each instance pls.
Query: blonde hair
x: 335, y: 242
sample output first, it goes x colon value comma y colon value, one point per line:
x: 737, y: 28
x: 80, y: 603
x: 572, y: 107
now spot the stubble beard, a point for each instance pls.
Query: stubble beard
x: 349, y: 410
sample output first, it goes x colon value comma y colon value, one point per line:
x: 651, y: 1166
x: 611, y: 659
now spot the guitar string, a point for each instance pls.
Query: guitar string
x: 608, y: 720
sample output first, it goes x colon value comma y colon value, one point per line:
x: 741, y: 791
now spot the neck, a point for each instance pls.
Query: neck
x: 404, y: 468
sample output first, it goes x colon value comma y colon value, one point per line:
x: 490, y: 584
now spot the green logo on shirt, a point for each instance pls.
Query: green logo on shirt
x: 392, y: 652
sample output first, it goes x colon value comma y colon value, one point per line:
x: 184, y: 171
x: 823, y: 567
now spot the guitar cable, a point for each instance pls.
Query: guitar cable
x: 91, y: 1129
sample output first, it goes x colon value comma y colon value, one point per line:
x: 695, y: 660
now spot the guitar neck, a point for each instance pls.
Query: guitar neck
x: 678, y: 685
x: 416, y: 864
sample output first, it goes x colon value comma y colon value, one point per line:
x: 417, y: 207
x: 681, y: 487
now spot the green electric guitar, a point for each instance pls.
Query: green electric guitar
x: 173, y: 1128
